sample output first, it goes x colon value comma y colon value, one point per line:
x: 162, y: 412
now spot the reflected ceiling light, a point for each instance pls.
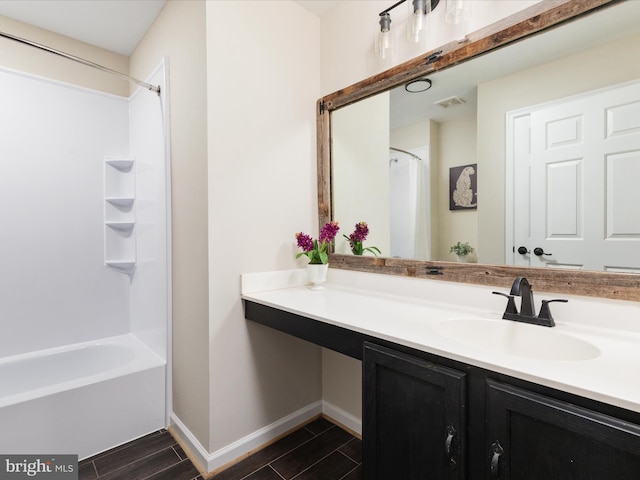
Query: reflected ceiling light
x: 418, y: 85
x: 416, y: 26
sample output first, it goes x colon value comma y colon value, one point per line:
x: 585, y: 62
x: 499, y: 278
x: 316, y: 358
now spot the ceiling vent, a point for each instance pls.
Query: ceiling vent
x: 450, y: 102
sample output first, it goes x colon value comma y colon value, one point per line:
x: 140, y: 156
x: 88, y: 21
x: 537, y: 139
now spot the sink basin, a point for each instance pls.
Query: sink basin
x: 518, y: 339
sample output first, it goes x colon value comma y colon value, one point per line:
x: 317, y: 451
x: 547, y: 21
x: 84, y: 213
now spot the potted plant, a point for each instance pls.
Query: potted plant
x: 462, y: 250
x: 317, y: 251
x: 356, y: 239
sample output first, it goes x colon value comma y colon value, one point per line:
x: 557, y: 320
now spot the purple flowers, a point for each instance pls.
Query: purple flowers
x: 329, y: 232
x: 304, y: 242
x: 317, y: 250
x: 358, y: 236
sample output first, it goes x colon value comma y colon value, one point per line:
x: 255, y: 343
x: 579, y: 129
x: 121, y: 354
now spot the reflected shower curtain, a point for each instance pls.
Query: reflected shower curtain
x: 409, y: 204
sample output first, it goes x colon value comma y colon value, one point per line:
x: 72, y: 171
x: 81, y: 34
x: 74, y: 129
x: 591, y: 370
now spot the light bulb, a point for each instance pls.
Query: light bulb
x: 417, y: 27
x: 458, y: 11
x: 384, y: 38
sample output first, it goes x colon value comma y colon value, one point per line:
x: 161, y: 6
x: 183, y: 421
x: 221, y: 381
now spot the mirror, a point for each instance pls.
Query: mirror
x: 428, y: 141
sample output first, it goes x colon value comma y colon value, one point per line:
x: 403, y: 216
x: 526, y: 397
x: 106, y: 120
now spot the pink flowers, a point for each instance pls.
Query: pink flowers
x: 317, y: 250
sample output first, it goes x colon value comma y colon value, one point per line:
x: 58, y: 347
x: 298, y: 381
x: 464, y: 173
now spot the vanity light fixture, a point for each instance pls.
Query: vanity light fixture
x: 457, y: 11
x: 384, y: 40
x: 416, y: 26
x: 418, y: 85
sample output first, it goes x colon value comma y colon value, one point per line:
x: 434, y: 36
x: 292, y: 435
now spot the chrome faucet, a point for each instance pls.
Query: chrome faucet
x: 522, y: 288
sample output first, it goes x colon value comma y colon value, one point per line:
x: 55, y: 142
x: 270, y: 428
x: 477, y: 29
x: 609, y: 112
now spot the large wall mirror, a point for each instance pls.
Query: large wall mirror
x: 523, y: 140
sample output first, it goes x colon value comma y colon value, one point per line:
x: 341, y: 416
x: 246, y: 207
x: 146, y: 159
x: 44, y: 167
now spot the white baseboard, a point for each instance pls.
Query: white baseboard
x: 343, y: 417
x: 212, y: 461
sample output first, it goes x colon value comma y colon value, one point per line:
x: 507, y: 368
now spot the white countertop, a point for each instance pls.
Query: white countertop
x: 411, y: 312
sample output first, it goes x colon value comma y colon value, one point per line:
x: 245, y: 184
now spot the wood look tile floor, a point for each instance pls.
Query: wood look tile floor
x: 319, y: 450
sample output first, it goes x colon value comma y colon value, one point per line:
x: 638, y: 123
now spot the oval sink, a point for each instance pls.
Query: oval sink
x: 519, y: 339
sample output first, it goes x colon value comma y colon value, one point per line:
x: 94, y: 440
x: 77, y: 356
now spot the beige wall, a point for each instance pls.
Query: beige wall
x: 179, y: 33
x: 579, y: 73
x: 263, y: 79
x: 360, y: 150
x: 457, y: 139
x: 243, y: 152
x: 15, y: 55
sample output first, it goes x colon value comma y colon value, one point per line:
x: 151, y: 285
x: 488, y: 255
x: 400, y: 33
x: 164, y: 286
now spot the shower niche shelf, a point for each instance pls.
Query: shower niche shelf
x: 120, y: 214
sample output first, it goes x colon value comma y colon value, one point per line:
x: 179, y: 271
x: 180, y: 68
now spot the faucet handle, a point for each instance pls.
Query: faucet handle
x: 511, y: 304
x: 545, y: 312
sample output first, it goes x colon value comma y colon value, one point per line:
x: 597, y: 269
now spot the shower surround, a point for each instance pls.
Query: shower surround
x: 62, y: 225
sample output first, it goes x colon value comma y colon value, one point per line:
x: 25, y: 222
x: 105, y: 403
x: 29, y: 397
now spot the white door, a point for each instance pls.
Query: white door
x: 582, y: 205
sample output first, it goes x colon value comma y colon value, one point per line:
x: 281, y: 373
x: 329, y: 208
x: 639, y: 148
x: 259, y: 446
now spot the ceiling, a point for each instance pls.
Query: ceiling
x: 116, y: 25
x: 318, y: 7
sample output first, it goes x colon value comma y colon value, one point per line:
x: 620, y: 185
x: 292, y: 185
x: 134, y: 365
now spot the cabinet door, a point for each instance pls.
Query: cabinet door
x: 414, y: 424
x: 534, y: 437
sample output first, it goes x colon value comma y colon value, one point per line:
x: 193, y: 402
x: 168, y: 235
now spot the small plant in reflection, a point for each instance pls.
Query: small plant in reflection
x: 317, y: 251
x: 356, y: 239
x: 462, y: 249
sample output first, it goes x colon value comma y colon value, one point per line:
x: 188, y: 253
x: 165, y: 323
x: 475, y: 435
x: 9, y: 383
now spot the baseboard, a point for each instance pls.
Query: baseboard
x: 343, y: 417
x: 209, y: 462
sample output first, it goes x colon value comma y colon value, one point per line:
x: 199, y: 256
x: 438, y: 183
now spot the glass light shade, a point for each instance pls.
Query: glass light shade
x: 457, y: 11
x: 384, y: 43
x: 417, y: 26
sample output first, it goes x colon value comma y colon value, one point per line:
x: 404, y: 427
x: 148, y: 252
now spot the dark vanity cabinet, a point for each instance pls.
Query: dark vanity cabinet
x: 428, y: 417
x: 425, y: 420
x: 532, y: 437
x: 414, y: 417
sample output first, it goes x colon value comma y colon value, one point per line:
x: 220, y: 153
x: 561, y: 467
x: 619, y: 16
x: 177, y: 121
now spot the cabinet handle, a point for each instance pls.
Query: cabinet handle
x: 451, y: 433
x: 495, y: 459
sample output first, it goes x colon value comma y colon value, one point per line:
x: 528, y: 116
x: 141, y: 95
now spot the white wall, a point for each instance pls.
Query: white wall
x: 54, y: 287
x: 150, y: 300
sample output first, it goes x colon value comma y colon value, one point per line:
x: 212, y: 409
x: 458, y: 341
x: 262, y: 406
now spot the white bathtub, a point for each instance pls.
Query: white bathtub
x: 80, y: 399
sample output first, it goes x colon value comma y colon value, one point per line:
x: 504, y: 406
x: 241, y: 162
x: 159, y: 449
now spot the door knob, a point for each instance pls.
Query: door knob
x: 538, y: 251
x: 523, y: 250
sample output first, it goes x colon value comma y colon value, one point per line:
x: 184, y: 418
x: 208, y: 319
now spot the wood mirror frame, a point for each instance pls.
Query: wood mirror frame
x: 530, y: 21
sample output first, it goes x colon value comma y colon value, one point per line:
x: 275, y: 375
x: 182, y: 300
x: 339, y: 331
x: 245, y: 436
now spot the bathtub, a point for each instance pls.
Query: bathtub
x: 80, y: 399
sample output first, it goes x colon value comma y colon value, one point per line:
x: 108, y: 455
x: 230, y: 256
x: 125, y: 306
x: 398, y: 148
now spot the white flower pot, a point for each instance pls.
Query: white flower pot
x: 317, y: 275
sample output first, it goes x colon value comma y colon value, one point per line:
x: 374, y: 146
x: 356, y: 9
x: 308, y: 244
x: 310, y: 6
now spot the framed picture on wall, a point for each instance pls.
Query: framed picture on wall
x: 463, y: 187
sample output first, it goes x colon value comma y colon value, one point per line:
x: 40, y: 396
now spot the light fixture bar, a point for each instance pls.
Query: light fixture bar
x: 392, y: 7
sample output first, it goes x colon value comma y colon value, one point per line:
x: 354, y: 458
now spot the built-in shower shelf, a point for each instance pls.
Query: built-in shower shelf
x: 122, y: 266
x: 122, y: 164
x: 121, y: 226
x: 121, y: 202
x: 120, y: 214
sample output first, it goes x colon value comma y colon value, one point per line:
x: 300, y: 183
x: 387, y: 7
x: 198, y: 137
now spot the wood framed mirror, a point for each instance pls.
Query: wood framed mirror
x: 531, y: 23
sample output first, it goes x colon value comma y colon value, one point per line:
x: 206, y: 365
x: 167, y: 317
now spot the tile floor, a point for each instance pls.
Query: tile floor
x: 319, y: 450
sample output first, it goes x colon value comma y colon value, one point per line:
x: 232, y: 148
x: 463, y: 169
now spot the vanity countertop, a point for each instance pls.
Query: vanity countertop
x: 414, y: 313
